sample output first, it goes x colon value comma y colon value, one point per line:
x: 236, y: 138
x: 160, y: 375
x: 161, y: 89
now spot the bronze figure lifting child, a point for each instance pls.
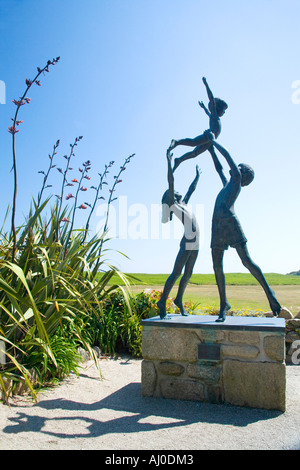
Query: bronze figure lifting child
x: 227, y: 231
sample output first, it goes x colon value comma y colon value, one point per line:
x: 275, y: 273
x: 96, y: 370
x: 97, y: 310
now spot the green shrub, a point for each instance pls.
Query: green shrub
x: 119, y: 328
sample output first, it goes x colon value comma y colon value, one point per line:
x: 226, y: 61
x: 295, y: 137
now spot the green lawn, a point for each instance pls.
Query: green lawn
x: 243, y: 291
x: 232, y: 279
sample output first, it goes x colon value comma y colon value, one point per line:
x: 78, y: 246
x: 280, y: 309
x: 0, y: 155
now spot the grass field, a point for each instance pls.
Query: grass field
x: 243, y: 291
x: 234, y: 279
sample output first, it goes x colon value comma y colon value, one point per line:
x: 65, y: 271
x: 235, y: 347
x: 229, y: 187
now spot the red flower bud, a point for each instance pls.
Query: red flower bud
x: 12, y: 130
x: 18, y: 103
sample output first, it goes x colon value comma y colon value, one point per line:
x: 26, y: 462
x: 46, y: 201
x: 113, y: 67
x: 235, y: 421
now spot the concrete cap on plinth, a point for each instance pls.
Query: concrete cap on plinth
x: 209, y: 321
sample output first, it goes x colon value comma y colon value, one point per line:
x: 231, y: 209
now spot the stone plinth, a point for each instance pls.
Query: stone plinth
x: 240, y: 361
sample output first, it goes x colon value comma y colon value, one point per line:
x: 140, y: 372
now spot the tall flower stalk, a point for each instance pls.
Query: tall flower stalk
x: 111, y: 198
x: 97, y: 197
x: 112, y: 190
x: 13, y: 130
x: 64, y: 173
x: 46, y: 175
x: 84, y: 174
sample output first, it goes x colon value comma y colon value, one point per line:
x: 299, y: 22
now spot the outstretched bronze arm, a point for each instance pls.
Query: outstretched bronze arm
x: 170, y: 179
x: 202, y: 105
x: 192, y: 186
x: 210, y: 96
x: 233, y: 166
x: 218, y: 165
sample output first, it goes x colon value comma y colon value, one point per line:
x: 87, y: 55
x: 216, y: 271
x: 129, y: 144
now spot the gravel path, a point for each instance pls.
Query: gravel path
x: 87, y: 413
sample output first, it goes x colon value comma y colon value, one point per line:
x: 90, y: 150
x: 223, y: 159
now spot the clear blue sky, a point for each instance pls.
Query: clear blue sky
x: 129, y: 81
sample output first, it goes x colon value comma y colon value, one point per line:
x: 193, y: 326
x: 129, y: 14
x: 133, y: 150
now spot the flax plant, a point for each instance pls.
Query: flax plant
x: 53, y: 279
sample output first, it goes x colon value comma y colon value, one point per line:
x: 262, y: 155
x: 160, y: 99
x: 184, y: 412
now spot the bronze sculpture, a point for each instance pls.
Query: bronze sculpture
x: 226, y: 228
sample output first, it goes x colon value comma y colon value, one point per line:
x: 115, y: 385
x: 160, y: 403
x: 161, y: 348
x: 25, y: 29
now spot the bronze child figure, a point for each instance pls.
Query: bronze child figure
x: 216, y: 109
x: 189, y: 245
x: 227, y: 231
